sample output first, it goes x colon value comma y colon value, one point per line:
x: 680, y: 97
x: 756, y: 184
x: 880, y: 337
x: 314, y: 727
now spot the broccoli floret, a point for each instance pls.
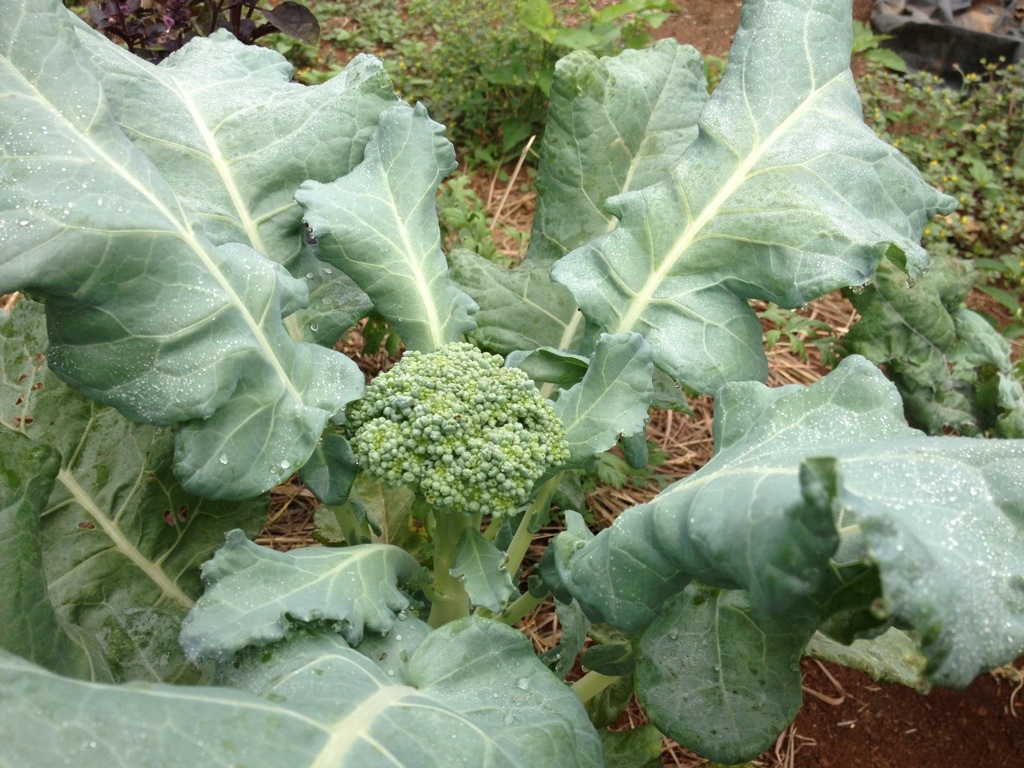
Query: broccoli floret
x: 460, y: 429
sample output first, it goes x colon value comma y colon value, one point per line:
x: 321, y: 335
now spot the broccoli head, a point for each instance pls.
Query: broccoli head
x: 457, y: 427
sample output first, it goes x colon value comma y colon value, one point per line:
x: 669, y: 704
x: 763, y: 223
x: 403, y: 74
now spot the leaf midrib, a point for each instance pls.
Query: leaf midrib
x: 151, y: 569
x: 645, y: 295
x: 183, y: 231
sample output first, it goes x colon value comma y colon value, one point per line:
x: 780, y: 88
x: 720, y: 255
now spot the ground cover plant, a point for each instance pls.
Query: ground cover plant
x: 193, y: 239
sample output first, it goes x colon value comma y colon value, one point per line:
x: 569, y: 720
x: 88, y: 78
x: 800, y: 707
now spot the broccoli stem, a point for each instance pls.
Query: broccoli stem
x: 351, y: 529
x: 519, y: 609
x: 493, y: 529
x: 521, y: 541
x: 450, y: 601
x: 591, y: 684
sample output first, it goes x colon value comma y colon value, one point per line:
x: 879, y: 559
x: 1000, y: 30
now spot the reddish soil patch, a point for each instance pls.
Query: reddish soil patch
x: 709, y: 25
x: 880, y: 726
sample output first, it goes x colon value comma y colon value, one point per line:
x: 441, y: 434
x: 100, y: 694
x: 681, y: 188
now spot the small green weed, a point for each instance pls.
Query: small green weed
x: 868, y: 44
x: 798, y: 331
x: 483, y: 75
x: 465, y: 222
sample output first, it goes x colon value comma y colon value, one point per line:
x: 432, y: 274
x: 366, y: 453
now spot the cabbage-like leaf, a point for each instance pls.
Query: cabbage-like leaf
x: 550, y: 365
x: 892, y: 657
x: 29, y: 626
x: 708, y: 654
x: 476, y: 697
x: 612, y: 399
x: 253, y: 592
x: 519, y: 308
x: 378, y: 224
x: 785, y: 195
x: 121, y: 541
x: 482, y: 569
x: 391, y: 651
x: 145, y: 312
x: 331, y: 470
x: 639, y: 747
x: 615, y: 124
x: 941, y: 519
x: 234, y: 136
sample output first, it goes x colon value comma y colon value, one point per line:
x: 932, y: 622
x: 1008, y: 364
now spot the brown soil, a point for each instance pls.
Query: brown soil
x: 871, y: 725
x: 709, y: 26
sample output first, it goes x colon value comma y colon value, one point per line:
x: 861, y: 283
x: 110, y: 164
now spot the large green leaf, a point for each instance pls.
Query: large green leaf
x: 612, y: 399
x: 718, y: 679
x: 519, y: 308
x: 941, y: 518
x: 476, y: 697
x: 144, y: 311
x: 378, y: 224
x: 29, y: 626
x: 785, y: 195
x: 615, y: 124
x: 121, y: 541
x: 252, y: 593
x: 234, y: 136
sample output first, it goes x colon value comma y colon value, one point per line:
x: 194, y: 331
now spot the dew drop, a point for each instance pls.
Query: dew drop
x: 314, y: 327
x: 673, y: 634
x: 391, y: 673
x: 523, y: 684
x: 285, y: 464
x: 223, y: 458
x: 23, y: 222
x: 309, y: 275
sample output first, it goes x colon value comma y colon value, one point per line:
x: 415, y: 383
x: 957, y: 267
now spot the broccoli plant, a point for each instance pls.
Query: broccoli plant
x: 193, y: 238
x: 466, y: 433
x: 469, y: 436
